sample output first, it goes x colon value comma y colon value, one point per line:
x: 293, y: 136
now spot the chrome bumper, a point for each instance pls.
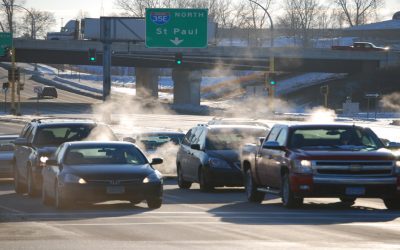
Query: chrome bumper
x: 355, y: 181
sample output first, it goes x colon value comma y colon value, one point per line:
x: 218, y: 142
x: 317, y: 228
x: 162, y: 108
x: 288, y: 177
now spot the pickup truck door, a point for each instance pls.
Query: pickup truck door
x: 277, y: 159
x: 264, y: 159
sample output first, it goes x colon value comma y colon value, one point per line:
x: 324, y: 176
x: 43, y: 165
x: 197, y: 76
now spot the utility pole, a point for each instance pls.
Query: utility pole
x: 13, y: 110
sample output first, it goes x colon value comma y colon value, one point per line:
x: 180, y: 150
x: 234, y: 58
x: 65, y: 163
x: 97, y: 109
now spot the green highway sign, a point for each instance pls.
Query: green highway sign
x: 176, y: 28
x: 5, y: 42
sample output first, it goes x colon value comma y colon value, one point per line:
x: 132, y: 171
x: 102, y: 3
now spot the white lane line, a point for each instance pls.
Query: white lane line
x: 12, y: 210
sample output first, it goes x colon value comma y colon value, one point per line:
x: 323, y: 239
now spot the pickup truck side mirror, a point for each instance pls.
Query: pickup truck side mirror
x: 195, y: 146
x: 273, y: 145
x: 21, y: 141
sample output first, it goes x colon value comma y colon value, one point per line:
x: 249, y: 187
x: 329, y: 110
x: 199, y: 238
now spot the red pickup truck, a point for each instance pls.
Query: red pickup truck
x: 361, y: 46
x: 315, y: 160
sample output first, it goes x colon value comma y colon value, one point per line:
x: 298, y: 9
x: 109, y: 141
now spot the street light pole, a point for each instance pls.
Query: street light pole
x: 270, y: 20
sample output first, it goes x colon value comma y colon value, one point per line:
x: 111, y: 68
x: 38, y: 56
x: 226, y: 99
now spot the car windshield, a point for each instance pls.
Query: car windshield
x: 56, y: 135
x: 153, y: 141
x: 345, y: 138
x: 104, y: 154
x: 231, y: 138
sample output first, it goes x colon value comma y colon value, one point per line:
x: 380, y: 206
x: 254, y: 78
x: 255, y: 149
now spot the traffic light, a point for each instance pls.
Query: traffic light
x: 178, y: 58
x: 92, y: 55
x: 5, y: 52
x: 16, y: 76
x: 271, y: 79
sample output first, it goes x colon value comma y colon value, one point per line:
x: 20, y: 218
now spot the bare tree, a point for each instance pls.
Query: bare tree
x: 300, y: 17
x: 43, y: 21
x: 82, y: 14
x: 356, y: 12
x: 7, y: 7
x: 136, y: 8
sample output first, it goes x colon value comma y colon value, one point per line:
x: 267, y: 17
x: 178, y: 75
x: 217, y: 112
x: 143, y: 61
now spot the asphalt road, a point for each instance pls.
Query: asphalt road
x: 190, y: 219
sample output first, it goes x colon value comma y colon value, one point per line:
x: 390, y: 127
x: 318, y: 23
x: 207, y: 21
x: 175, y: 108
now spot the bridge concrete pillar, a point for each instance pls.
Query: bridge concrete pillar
x: 146, y: 82
x: 187, y: 86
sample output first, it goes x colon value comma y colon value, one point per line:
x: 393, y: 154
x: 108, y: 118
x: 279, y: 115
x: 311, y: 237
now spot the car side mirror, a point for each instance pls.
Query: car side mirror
x: 393, y: 145
x: 129, y: 139
x: 51, y: 162
x: 195, y: 146
x: 260, y: 141
x: 21, y: 141
x: 156, y: 161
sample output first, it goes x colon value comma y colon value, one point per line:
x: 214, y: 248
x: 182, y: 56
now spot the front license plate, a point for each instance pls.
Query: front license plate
x: 115, y: 190
x: 355, y: 191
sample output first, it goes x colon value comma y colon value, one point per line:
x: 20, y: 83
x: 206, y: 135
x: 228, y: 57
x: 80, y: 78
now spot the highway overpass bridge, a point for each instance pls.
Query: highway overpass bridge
x: 187, y: 77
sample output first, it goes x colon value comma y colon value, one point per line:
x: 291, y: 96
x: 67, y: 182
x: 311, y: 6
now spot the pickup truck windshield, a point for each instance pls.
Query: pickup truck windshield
x: 346, y: 138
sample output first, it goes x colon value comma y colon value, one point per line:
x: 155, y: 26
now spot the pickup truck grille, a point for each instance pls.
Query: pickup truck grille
x: 361, y: 168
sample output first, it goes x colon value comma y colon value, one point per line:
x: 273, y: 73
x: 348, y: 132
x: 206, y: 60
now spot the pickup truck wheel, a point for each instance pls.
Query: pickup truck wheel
x: 392, y: 203
x: 205, y: 186
x: 181, y: 182
x: 288, y: 198
x: 18, y: 186
x: 253, y: 195
x: 31, y: 184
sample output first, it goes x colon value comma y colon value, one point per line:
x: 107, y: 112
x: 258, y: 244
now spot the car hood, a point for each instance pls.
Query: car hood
x: 227, y: 155
x: 380, y: 154
x: 110, y: 171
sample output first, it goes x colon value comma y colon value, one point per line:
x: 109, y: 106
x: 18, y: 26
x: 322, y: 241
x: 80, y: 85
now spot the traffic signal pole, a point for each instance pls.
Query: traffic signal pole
x: 13, y: 110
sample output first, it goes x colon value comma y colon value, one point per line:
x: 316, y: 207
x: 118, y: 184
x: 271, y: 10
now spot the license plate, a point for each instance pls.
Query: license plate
x: 355, y: 191
x: 115, y: 190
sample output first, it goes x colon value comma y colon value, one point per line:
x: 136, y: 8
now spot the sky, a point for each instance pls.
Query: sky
x: 67, y: 10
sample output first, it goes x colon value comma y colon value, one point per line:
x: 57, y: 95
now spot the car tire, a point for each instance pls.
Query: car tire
x: 392, y: 203
x: 154, y: 203
x: 59, y: 201
x: 253, y: 195
x: 205, y: 186
x: 181, y: 182
x: 18, y: 186
x: 31, y: 184
x: 288, y: 198
x: 46, y: 200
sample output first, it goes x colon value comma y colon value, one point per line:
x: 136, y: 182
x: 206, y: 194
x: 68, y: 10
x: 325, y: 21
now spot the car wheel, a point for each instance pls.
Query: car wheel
x: 392, y: 203
x: 154, y: 203
x: 181, y: 182
x: 45, y: 198
x: 18, y: 186
x: 253, y: 195
x: 31, y: 184
x: 205, y: 186
x: 288, y: 198
x: 59, y: 201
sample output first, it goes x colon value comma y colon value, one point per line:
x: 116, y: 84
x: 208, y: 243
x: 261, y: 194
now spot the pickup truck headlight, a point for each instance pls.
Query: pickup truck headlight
x: 397, y: 167
x: 70, y: 178
x: 217, y: 163
x: 303, y: 167
x: 153, y: 177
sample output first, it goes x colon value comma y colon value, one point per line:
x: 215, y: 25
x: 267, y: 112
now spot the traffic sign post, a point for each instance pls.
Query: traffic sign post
x: 176, y: 28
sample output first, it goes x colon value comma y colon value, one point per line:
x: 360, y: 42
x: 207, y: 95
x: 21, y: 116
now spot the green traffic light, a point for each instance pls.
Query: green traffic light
x: 179, y: 62
x: 92, y: 59
x: 272, y: 82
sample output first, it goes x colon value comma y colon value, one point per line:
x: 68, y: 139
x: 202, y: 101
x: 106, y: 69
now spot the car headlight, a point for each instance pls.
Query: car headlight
x: 397, y: 166
x: 70, y: 178
x: 303, y: 167
x: 42, y: 160
x: 153, y: 177
x: 217, y: 163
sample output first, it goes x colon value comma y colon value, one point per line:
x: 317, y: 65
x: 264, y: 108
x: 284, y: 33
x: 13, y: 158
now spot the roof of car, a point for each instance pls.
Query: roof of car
x: 235, y: 126
x: 90, y: 143
x: 316, y: 125
x: 63, y: 121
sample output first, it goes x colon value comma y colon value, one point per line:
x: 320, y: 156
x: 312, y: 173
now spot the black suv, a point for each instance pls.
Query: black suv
x: 38, y: 141
x: 209, y: 155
